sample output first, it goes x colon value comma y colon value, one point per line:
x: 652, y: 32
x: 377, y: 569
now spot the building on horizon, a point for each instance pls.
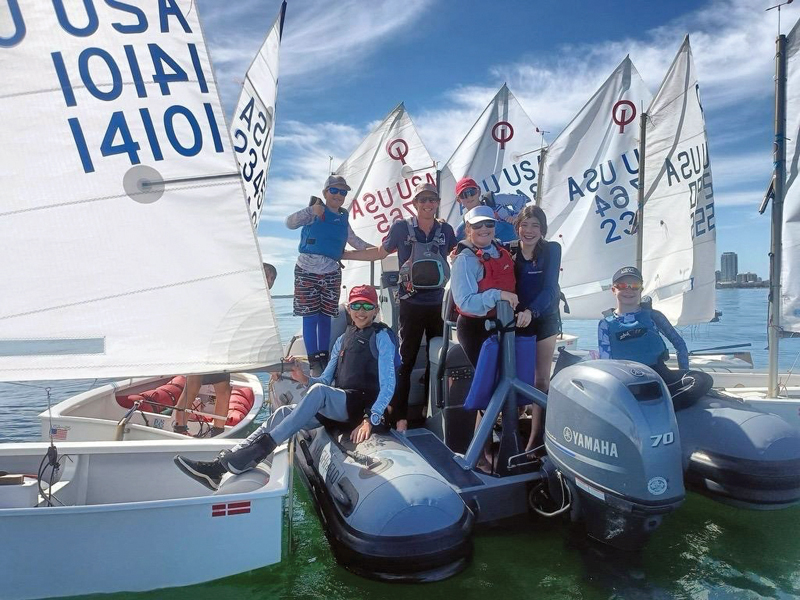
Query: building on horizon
x: 717, y: 275
x: 730, y: 266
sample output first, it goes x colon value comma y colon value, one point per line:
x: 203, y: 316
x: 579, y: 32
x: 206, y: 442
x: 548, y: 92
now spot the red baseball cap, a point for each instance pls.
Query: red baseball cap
x: 465, y: 183
x: 363, y: 293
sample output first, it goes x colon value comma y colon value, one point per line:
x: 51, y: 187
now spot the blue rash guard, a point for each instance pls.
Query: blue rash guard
x: 537, y: 280
x: 656, y: 324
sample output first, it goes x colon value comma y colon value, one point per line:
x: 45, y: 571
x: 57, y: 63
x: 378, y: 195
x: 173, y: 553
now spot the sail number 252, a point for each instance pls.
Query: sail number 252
x: 701, y: 212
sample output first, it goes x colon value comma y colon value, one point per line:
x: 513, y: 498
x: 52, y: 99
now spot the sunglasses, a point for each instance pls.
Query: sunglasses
x: 427, y: 199
x: 628, y: 286
x: 362, y: 306
x: 482, y: 224
x: 335, y: 191
x: 468, y: 193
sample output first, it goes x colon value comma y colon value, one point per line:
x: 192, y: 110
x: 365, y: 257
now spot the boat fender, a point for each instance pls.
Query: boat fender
x: 487, y: 372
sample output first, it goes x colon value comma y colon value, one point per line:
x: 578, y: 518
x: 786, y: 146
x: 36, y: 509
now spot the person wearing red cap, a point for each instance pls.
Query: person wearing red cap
x: 362, y: 367
x: 422, y: 244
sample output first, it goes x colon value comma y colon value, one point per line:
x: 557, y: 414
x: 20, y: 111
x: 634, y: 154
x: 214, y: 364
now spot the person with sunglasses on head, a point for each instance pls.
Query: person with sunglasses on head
x: 481, y: 276
x: 468, y: 196
x: 422, y: 244
x: 633, y: 330
x: 353, y: 391
x: 537, y: 263
x: 318, y: 274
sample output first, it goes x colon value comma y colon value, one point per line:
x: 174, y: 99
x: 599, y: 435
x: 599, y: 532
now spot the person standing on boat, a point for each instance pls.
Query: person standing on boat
x: 481, y: 276
x: 222, y: 398
x: 422, y: 244
x: 220, y: 381
x: 318, y: 272
x: 633, y: 332
x: 354, y: 390
x: 468, y: 196
x: 537, y: 263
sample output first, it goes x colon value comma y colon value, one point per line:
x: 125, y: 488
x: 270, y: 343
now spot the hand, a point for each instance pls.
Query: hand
x: 274, y: 376
x: 524, y: 318
x: 402, y: 425
x: 318, y: 209
x: 297, y: 371
x: 510, y: 297
x: 362, y: 432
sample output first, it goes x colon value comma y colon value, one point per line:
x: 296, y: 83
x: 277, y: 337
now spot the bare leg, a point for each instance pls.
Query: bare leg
x: 222, y: 390
x: 544, y: 362
x: 190, y: 391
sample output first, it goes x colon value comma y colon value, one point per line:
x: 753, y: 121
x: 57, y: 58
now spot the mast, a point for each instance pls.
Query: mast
x: 779, y: 179
x: 283, y: 16
x: 640, y: 193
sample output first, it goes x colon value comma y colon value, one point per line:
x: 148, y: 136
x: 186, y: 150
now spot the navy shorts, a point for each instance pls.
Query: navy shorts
x: 542, y: 327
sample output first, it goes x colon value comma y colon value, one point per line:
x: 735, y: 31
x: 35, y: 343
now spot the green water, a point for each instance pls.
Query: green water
x: 705, y: 550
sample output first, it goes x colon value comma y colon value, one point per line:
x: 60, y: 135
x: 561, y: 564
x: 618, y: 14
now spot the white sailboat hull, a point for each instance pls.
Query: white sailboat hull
x: 132, y: 522
x: 93, y: 415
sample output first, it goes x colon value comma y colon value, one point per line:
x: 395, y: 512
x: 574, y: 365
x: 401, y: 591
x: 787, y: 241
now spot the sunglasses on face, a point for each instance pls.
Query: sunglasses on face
x: 482, y: 224
x: 362, y: 306
x: 427, y: 199
x: 628, y: 286
x: 468, y: 193
x: 335, y: 191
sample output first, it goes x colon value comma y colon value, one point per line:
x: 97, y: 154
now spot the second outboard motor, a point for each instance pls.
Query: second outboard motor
x: 611, y: 432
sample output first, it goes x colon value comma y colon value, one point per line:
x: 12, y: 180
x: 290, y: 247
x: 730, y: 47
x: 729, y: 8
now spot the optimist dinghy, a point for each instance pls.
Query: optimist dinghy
x: 104, y: 288
x: 142, y: 409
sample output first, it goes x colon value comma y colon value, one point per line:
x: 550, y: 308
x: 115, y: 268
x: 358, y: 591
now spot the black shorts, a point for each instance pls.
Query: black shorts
x: 542, y: 327
x: 216, y: 378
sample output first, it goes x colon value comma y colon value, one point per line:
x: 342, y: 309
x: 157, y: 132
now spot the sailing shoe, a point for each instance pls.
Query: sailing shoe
x: 209, y: 473
x: 248, y: 456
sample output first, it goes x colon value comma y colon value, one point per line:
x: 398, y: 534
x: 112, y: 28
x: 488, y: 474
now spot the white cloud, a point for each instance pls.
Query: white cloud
x: 319, y: 38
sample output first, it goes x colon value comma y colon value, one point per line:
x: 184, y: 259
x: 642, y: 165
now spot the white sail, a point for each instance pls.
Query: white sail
x: 253, y: 123
x: 679, y: 247
x: 501, y: 152
x: 790, y: 255
x: 382, y: 173
x: 589, y: 187
x: 127, y: 246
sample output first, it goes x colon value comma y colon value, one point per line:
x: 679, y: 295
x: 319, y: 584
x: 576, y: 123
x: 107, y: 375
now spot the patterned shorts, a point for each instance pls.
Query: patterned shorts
x: 316, y: 292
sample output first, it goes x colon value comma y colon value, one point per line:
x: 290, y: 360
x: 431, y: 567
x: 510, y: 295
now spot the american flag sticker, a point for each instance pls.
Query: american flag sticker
x: 59, y: 433
x: 229, y: 509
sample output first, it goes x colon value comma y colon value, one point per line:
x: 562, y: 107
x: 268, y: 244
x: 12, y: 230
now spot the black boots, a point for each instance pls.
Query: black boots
x: 209, y: 473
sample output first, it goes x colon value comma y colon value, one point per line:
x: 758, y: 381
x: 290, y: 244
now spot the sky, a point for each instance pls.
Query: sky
x: 344, y: 65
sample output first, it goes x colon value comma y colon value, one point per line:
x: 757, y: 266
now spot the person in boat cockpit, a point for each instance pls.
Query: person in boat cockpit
x: 633, y: 332
x: 362, y: 366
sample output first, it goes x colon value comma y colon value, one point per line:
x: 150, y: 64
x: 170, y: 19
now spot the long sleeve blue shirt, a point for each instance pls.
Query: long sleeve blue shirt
x: 537, y: 280
x: 386, y: 374
x: 465, y: 274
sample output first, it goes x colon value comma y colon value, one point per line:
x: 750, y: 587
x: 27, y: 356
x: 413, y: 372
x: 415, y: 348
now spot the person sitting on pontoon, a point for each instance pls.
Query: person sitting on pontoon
x: 633, y: 332
x: 362, y: 366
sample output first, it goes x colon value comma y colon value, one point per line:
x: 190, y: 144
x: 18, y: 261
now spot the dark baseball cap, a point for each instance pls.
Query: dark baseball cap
x: 627, y: 272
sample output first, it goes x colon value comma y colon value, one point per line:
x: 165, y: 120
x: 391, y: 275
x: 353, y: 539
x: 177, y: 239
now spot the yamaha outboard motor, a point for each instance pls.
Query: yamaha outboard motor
x: 612, y: 434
